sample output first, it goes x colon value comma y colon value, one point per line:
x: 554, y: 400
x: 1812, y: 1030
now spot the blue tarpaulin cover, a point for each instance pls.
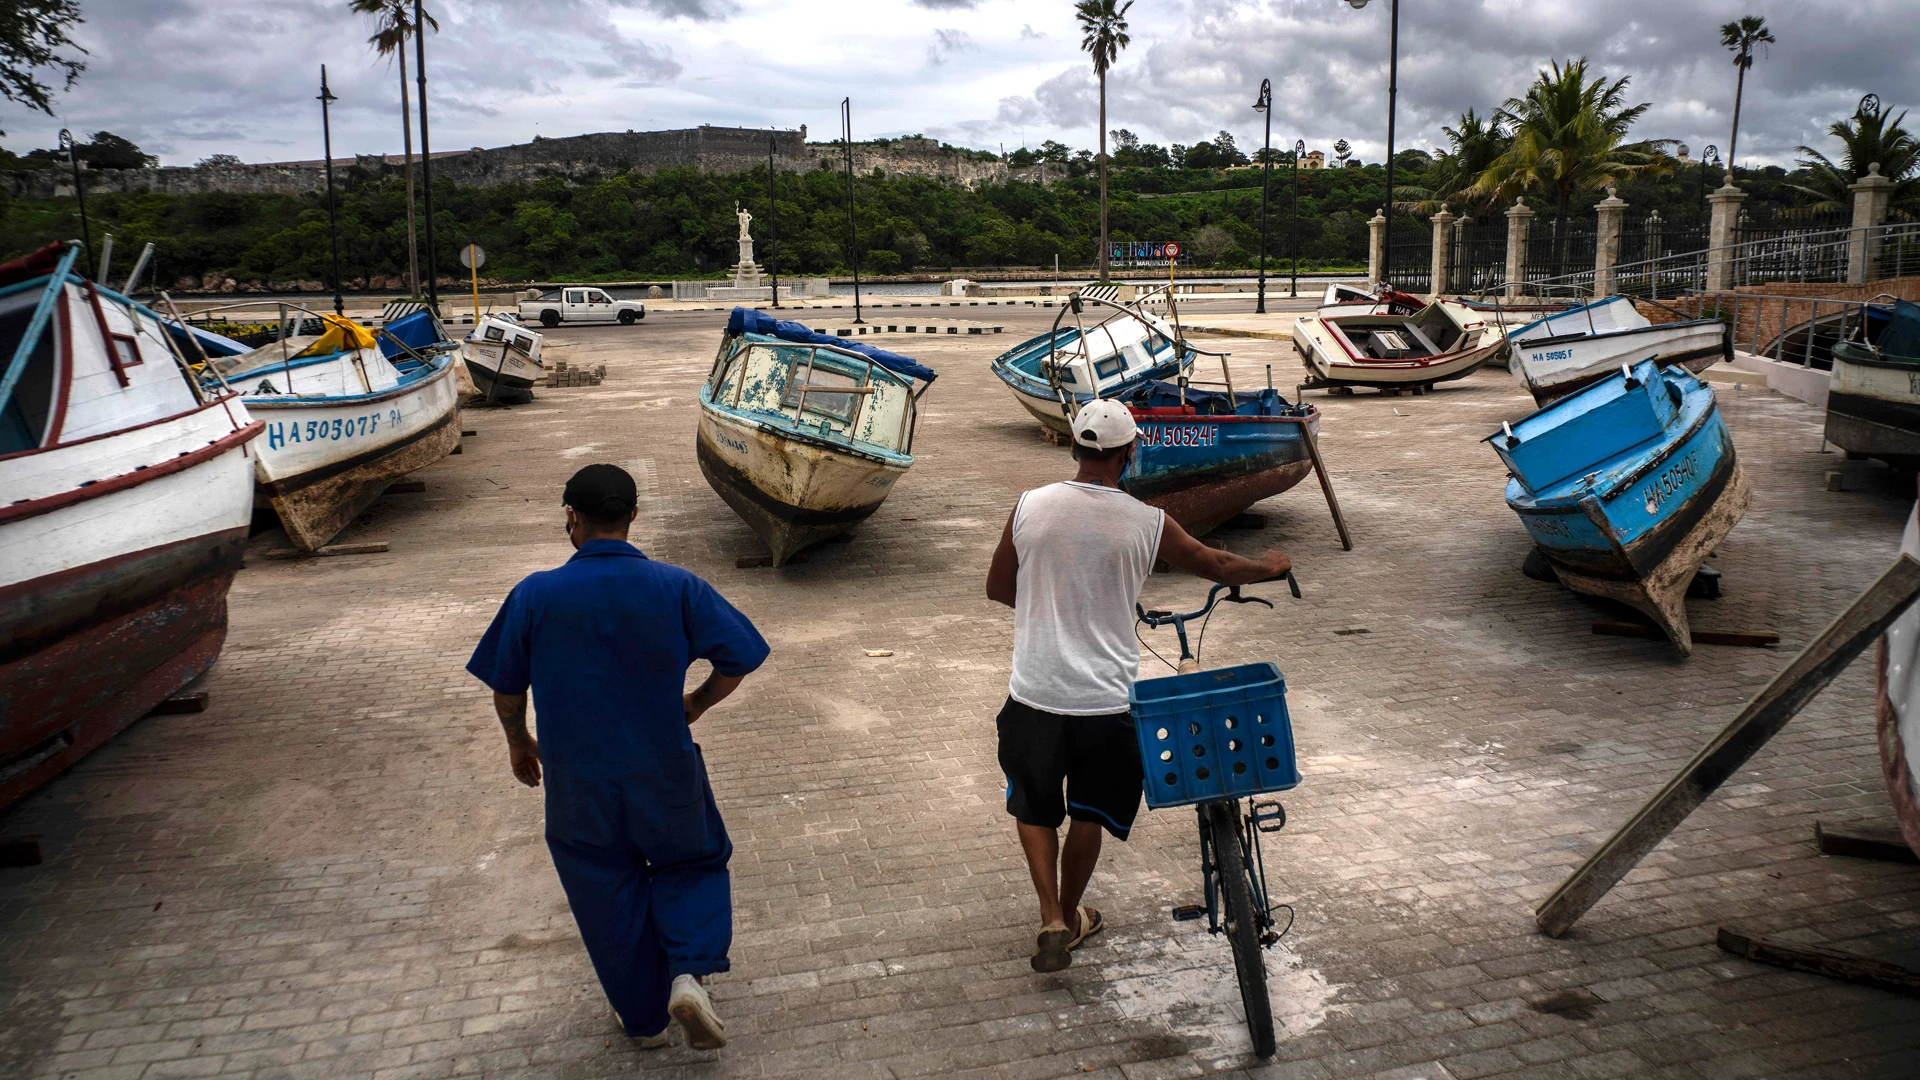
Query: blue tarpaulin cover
x: 1902, y: 338
x: 749, y: 321
x: 418, y: 330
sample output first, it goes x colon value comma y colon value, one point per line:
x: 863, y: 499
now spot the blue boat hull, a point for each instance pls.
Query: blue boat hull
x: 1205, y: 469
x: 1040, y: 399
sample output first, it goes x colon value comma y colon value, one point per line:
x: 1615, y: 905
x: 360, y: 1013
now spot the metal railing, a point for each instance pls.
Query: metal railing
x: 1812, y: 255
x: 1792, y: 329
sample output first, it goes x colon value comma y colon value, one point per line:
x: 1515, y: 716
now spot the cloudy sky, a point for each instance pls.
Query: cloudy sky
x: 187, y: 78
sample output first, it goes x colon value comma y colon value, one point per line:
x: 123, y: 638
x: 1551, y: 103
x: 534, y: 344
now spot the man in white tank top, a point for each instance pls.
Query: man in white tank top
x: 1071, y: 563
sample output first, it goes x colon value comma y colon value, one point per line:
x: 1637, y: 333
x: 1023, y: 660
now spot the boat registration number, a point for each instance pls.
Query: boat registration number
x: 1554, y: 354
x: 282, y: 432
x: 1181, y: 435
x: 1670, y: 482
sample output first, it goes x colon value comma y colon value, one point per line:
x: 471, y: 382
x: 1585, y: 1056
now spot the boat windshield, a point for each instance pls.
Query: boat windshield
x: 29, y: 410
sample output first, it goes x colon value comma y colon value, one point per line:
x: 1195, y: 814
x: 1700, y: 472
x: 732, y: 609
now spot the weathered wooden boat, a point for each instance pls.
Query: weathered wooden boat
x: 1558, y: 354
x: 802, y: 434
x: 1342, y: 299
x: 1055, y: 373
x: 1873, y: 398
x: 127, y: 491
x: 1626, y: 486
x: 343, y: 419
x: 504, y: 360
x: 1898, y: 711
x: 1393, y: 351
x: 1206, y: 456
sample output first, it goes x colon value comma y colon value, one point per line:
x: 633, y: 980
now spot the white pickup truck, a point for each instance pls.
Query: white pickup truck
x: 581, y: 304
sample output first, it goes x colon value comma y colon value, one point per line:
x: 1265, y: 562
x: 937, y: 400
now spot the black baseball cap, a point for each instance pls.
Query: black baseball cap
x: 602, y: 492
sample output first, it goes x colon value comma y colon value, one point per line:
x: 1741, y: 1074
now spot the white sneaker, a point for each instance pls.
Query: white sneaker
x: 689, y: 1004
x: 645, y: 1042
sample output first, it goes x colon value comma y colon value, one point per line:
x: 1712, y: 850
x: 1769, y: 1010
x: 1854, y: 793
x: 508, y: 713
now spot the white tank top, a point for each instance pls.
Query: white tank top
x: 1084, y: 552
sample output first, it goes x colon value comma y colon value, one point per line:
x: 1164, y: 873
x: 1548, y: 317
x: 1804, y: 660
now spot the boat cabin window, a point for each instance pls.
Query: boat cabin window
x: 523, y: 343
x: 494, y: 333
x: 1108, y: 367
x: 576, y: 296
x: 837, y: 406
x: 25, y: 417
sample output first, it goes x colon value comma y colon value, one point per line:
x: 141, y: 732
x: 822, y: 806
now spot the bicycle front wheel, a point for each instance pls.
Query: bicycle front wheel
x: 1242, y: 921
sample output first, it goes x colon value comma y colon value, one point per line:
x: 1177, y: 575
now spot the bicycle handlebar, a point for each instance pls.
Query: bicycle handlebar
x: 1157, y: 619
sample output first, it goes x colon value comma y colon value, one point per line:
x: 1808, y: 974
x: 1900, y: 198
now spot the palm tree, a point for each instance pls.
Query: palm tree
x: 395, y: 22
x: 1103, y: 26
x: 1868, y: 137
x: 1568, y: 137
x: 1471, y: 148
x: 1741, y: 37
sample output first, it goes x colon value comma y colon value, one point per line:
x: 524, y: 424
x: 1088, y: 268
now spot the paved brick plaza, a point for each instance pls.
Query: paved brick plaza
x: 332, y: 873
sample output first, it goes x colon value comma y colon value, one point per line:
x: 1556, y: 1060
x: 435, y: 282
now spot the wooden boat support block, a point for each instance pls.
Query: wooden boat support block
x: 468, y: 433
x: 1750, y: 639
x: 372, y: 548
x: 23, y: 851
x: 1834, y: 964
x: 181, y: 703
x: 1854, y: 842
x: 406, y: 487
x: 1836, y: 480
x: 453, y: 451
x: 1817, y: 665
x: 753, y: 562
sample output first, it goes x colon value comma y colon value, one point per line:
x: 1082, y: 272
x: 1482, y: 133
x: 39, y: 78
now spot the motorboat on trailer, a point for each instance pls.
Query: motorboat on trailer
x: 128, y: 489
x: 504, y: 359
x: 1394, y: 351
x: 802, y: 434
x: 1055, y: 373
x: 1873, y: 397
x: 347, y: 411
x: 1626, y: 485
x: 1560, y: 353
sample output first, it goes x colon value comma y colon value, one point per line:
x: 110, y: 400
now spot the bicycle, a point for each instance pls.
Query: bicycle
x: 1210, y: 739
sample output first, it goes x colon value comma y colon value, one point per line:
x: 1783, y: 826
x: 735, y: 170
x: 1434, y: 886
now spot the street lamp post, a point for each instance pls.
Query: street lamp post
x: 1264, y: 105
x: 333, y: 227
x: 1393, y: 89
x: 773, y: 228
x: 426, y: 154
x: 1710, y: 157
x: 1293, y: 225
x: 853, y: 228
x: 79, y: 194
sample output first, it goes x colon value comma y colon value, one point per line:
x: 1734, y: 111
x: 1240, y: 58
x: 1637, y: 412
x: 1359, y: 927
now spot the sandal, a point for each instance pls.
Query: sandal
x: 1090, y: 924
x: 1050, y: 949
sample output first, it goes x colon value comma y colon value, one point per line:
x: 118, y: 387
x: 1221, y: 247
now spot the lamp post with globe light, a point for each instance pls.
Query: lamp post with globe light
x: 1264, y: 106
x: 1293, y: 226
x: 1393, y: 87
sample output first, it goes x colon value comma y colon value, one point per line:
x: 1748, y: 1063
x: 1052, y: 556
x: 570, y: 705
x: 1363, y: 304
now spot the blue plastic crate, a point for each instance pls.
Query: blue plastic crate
x: 1214, y: 734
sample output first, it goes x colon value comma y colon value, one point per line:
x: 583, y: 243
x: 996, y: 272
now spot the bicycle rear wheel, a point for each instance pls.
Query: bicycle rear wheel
x: 1242, y: 922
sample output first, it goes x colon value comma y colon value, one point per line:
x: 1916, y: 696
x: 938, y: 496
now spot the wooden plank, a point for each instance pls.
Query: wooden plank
x: 1750, y: 639
x: 406, y: 487
x: 1855, y: 843
x: 23, y: 851
x: 1834, y: 964
x: 373, y: 548
x: 1769, y: 710
x: 1326, y: 485
x: 181, y: 703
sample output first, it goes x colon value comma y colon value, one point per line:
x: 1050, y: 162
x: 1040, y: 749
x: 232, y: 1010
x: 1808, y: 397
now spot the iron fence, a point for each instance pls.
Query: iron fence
x: 1479, y: 256
x: 1410, y: 260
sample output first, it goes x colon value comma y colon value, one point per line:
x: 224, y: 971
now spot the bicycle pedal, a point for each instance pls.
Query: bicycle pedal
x: 1269, y: 817
x: 1188, y: 912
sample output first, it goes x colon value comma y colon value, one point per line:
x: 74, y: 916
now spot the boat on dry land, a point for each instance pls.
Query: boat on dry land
x: 1206, y: 456
x: 348, y: 411
x: 504, y: 359
x: 1120, y: 351
x: 1898, y: 712
x: 1394, y: 351
x: 802, y: 434
x: 1873, y: 399
x: 1558, y: 354
x: 127, y: 493
x: 1626, y: 486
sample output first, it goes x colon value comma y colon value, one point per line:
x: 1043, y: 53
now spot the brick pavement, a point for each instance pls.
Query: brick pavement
x: 331, y: 873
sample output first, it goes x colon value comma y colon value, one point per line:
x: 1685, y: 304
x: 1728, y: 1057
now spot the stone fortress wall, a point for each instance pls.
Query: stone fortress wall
x: 574, y: 158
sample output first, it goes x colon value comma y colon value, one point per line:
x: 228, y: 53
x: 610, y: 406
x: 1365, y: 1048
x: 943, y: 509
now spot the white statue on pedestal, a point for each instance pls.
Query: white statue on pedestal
x: 745, y: 218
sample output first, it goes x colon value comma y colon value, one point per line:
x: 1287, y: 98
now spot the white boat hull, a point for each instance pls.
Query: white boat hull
x: 1553, y: 369
x: 1330, y: 362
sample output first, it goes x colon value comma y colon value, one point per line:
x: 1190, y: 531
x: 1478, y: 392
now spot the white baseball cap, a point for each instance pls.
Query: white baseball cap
x: 1104, y: 425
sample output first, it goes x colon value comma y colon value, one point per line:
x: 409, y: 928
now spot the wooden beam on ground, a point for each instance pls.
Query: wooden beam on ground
x: 372, y: 548
x: 406, y: 487
x: 1326, y: 484
x: 1751, y: 639
x: 1854, y: 843
x: 1834, y: 964
x: 1809, y: 673
x: 181, y: 703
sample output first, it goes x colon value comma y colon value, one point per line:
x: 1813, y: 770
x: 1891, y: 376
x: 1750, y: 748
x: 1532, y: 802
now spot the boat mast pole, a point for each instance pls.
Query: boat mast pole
x: 333, y: 224
x: 79, y: 195
x: 426, y: 153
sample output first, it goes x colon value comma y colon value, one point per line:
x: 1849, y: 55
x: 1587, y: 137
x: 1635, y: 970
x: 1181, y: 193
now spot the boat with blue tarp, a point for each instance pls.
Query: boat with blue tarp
x: 1205, y: 456
x: 1626, y: 486
x: 1873, y: 399
x: 803, y: 434
x: 348, y: 411
x: 1053, y: 374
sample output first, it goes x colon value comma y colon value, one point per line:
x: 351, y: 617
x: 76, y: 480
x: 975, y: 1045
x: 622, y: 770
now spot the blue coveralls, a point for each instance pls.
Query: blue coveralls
x: 605, y: 642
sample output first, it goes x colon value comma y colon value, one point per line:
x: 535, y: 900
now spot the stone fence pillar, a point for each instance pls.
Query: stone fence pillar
x: 1871, y: 194
x: 1442, y: 247
x: 1377, y: 250
x: 1721, y: 231
x: 1606, y: 245
x: 1519, y: 219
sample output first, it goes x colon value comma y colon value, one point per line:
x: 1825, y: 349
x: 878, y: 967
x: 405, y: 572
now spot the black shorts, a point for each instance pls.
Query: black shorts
x: 1096, y: 758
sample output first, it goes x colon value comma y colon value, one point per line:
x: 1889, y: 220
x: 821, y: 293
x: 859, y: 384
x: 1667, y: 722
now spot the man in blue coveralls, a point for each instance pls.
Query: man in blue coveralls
x: 605, y: 642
